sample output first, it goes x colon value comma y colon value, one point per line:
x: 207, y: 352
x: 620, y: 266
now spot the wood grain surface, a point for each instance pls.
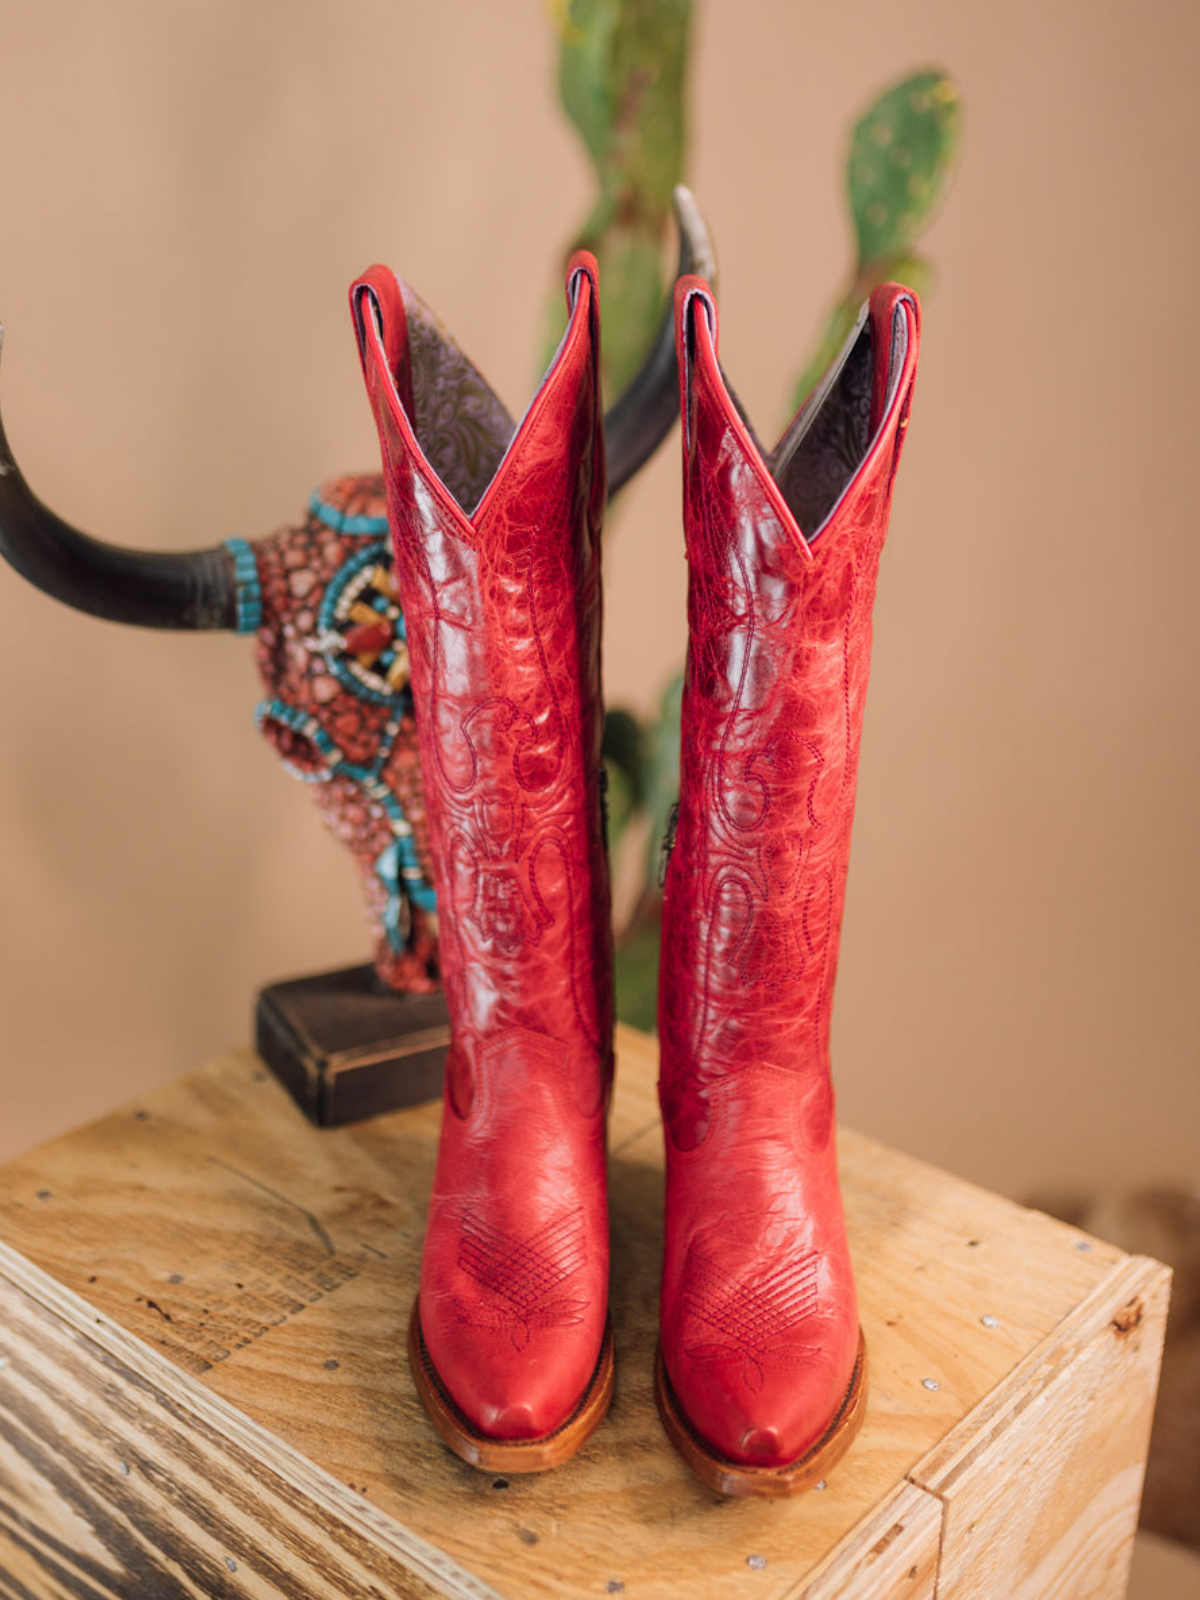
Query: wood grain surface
x: 1071, y: 1428
x: 211, y: 1286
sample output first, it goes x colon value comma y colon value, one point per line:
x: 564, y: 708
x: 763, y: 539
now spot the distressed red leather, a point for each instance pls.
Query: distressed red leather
x: 503, y: 609
x: 759, y: 1318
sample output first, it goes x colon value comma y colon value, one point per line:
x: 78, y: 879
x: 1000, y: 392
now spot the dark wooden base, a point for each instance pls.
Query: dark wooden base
x: 345, y: 1048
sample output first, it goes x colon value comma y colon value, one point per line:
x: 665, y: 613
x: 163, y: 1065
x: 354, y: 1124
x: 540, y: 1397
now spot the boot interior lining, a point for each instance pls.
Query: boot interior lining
x: 826, y: 444
x: 819, y: 455
x: 462, y: 427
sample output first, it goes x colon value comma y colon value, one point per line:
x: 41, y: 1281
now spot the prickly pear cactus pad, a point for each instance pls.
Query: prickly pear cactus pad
x: 901, y: 157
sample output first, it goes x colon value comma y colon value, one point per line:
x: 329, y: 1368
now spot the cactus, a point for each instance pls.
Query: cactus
x: 901, y: 156
x: 625, y: 772
x: 621, y: 76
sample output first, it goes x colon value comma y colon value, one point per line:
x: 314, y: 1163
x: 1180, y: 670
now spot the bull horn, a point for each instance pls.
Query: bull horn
x: 196, y: 589
x: 637, y: 423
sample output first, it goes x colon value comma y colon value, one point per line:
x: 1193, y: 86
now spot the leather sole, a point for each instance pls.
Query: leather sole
x: 777, y: 1483
x: 509, y: 1455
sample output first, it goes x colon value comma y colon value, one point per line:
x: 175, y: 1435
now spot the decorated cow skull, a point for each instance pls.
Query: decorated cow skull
x: 321, y: 598
x: 337, y: 709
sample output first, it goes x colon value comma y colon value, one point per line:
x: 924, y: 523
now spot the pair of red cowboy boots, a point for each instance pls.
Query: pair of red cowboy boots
x: 761, y: 1374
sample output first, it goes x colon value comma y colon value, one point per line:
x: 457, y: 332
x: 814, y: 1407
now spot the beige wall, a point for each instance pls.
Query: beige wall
x: 187, y: 192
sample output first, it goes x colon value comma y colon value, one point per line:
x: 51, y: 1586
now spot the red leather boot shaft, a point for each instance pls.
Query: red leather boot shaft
x: 759, y: 1318
x: 503, y: 613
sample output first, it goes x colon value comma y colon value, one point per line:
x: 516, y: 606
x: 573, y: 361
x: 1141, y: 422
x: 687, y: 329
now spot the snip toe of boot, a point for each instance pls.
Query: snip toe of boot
x: 761, y: 1445
x: 536, y: 1411
x: 773, y: 1428
x: 745, y: 1457
x: 510, y: 1432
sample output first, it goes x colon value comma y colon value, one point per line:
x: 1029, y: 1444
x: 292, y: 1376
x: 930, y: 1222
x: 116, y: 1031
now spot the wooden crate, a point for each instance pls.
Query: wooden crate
x: 203, y: 1386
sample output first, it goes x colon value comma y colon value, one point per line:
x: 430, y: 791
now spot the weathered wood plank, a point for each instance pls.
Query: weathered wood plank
x: 1041, y: 1483
x: 123, y: 1476
x: 892, y: 1555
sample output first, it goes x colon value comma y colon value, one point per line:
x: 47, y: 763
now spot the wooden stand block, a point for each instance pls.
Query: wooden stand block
x: 345, y: 1048
x: 204, y: 1391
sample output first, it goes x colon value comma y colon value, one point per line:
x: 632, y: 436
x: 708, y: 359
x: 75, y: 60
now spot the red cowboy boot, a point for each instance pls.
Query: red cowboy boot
x: 509, y: 1339
x: 761, y: 1378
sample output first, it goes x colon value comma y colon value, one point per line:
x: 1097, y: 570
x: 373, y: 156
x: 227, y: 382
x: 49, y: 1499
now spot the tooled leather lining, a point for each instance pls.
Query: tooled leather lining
x: 462, y: 428
x: 827, y: 442
x: 824, y: 447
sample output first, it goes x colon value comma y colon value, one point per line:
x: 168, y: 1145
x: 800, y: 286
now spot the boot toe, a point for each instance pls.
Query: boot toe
x: 508, y: 1395
x: 514, y: 1421
x: 774, y: 1427
x: 760, y: 1444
